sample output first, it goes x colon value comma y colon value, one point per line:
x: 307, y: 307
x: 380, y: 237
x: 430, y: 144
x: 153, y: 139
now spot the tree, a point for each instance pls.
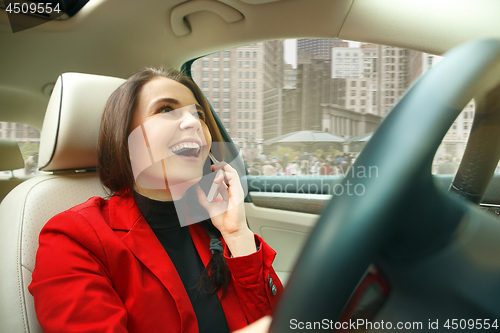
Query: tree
x: 333, y: 152
x: 280, y: 152
x: 319, y: 153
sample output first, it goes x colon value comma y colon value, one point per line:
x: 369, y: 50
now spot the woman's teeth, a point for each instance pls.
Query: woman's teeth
x: 186, y: 148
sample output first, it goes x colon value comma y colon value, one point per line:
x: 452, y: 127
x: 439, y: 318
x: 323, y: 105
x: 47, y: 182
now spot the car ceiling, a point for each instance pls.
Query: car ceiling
x: 118, y: 37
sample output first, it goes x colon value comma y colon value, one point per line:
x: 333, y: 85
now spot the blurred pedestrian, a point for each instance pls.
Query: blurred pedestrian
x: 304, y: 163
x: 267, y: 169
x: 286, y: 159
x: 325, y: 169
x: 278, y: 169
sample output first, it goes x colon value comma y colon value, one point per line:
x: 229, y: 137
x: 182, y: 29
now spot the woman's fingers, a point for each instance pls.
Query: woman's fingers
x: 202, y: 199
x: 218, y: 166
x: 224, y: 166
x: 231, y: 178
x: 223, y: 191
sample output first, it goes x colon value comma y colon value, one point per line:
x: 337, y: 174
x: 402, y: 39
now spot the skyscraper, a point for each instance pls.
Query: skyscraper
x: 319, y: 48
x: 272, y: 94
x: 236, y: 81
x: 377, y: 76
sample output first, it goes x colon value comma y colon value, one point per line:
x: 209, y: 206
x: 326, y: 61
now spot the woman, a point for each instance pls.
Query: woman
x: 127, y: 264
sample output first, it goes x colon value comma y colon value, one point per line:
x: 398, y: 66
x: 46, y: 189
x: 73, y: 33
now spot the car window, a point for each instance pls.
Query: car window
x: 309, y: 106
x: 28, y: 139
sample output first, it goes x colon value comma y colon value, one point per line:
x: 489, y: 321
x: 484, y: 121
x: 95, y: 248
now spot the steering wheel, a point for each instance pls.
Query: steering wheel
x: 395, y: 212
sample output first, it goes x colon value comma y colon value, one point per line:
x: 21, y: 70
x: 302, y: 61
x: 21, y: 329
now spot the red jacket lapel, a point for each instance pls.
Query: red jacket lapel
x: 144, y: 244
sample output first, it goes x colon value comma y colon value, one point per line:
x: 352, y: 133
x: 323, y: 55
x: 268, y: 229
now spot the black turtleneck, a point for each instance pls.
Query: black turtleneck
x: 176, y: 240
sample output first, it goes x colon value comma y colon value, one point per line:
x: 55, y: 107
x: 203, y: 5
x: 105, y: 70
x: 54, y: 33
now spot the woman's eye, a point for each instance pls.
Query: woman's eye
x: 201, y: 115
x: 165, y: 109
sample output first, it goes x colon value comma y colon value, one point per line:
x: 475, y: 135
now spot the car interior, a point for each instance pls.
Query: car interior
x: 12, y: 159
x: 415, y: 248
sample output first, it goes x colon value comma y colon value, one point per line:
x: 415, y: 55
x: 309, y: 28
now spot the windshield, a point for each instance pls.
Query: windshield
x: 309, y: 106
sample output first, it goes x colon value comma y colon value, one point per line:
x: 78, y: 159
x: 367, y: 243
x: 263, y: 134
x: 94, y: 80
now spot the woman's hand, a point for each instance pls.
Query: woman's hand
x: 228, y: 215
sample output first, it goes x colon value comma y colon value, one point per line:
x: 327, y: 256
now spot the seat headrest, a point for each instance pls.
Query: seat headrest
x: 70, y: 129
x: 12, y: 158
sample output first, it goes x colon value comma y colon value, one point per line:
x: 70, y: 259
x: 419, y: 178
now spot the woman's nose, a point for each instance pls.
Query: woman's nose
x: 190, y: 121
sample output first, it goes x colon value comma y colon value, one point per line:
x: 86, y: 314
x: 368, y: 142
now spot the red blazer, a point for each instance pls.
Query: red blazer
x: 100, y: 268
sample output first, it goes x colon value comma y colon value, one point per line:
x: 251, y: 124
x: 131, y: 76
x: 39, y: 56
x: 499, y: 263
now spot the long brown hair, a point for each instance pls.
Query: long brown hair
x: 113, y: 161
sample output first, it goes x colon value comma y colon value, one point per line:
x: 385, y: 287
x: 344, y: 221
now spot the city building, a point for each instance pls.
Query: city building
x: 318, y: 48
x: 19, y: 132
x: 272, y: 94
x: 292, y: 115
x: 377, y: 76
x: 419, y: 63
x: 27, y: 137
x: 314, y: 87
x: 453, y: 146
x: 347, y: 123
x: 236, y: 81
x: 272, y: 113
x: 289, y: 76
x: 324, y: 101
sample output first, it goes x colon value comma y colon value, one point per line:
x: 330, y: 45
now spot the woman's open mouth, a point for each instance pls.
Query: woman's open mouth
x: 186, y: 149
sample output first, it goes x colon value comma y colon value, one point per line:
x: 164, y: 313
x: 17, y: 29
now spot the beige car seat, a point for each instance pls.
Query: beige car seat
x: 67, y: 151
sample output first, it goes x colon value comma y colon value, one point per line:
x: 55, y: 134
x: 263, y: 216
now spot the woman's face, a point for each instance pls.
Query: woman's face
x: 178, y: 141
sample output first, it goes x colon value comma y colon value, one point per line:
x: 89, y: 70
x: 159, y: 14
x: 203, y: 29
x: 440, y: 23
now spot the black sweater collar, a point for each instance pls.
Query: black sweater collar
x: 160, y: 214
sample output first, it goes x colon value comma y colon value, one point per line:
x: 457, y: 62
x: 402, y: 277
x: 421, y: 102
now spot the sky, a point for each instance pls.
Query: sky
x: 291, y: 52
